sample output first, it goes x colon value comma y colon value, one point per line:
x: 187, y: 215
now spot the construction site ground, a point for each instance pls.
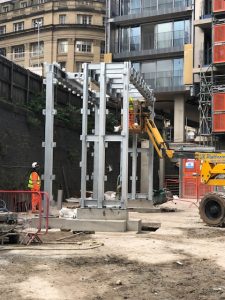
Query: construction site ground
x: 184, y: 259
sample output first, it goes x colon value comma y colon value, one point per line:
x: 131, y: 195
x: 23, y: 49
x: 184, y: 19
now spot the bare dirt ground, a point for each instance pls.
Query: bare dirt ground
x: 184, y: 259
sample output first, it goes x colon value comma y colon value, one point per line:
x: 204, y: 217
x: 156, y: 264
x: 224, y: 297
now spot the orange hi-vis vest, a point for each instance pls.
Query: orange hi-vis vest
x: 34, y: 181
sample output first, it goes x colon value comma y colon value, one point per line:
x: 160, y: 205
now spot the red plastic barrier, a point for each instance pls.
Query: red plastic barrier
x: 192, y: 187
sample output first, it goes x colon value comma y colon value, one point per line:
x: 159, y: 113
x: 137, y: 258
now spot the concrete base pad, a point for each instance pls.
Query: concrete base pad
x: 93, y: 225
x: 142, y: 206
x: 101, y: 214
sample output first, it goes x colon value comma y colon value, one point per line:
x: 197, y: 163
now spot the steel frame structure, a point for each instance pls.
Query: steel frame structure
x: 116, y: 82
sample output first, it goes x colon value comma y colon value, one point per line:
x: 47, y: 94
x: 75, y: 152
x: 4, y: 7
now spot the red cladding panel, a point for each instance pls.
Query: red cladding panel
x: 219, y: 122
x: 219, y: 33
x: 218, y: 5
x: 219, y: 102
x: 219, y: 54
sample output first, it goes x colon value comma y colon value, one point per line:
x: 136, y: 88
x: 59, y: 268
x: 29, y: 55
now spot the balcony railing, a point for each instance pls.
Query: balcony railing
x: 162, y: 6
x: 151, y: 41
x: 167, y: 79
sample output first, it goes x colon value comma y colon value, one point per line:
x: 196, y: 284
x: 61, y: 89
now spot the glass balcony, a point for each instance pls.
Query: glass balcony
x: 134, y: 7
x: 166, y: 79
x: 151, y: 41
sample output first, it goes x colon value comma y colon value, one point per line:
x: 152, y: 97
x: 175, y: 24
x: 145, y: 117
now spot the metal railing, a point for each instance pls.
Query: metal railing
x: 151, y: 41
x: 163, y: 7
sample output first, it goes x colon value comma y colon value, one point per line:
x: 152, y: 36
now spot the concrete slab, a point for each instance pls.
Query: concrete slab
x: 101, y: 214
x: 86, y: 225
x: 142, y: 206
x: 140, y: 203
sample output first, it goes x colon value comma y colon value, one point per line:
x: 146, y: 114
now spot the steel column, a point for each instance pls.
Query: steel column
x: 134, y: 166
x: 101, y: 144
x: 83, y: 137
x: 125, y: 134
x: 150, y: 171
x: 49, y: 129
x: 96, y: 153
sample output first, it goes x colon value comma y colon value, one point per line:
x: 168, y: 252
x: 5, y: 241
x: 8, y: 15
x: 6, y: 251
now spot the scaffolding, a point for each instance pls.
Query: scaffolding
x: 205, y: 102
x: 212, y: 84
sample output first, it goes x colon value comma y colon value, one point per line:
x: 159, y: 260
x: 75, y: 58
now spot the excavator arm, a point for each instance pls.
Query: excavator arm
x: 155, y: 137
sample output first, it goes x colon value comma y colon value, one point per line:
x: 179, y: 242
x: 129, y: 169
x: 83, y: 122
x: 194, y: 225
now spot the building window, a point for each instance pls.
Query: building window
x: 18, y: 26
x: 3, y: 51
x: 104, y: 21
x: 130, y: 39
x: 35, y: 51
x: 164, y: 35
x: 83, y: 46
x: 62, y: 19
x: 18, y: 52
x: 2, y: 29
x: 5, y: 9
x: 84, y: 19
x: 38, y: 22
x: 23, y: 4
x: 41, y: 1
x: 102, y: 47
x: 62, y: 46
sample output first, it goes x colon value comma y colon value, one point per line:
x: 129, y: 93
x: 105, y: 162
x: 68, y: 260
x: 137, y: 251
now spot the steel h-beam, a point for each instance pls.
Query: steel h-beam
x: 83, y: 137
x: 49, y: 144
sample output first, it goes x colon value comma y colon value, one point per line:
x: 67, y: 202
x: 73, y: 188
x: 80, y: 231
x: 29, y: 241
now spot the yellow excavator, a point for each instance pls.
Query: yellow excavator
x: 212, y: 205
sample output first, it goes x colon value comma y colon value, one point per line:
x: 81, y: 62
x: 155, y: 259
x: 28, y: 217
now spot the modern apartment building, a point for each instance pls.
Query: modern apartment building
x: 68, y: 32
x: 153, y: 35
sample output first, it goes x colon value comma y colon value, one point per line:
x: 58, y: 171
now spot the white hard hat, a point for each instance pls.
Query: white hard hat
x: 34, y: 165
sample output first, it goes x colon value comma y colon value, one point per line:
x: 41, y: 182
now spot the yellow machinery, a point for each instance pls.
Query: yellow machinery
x: 212, y: 205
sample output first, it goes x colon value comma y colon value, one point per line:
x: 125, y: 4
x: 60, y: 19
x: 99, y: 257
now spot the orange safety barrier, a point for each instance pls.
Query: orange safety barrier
x: 20, y: 203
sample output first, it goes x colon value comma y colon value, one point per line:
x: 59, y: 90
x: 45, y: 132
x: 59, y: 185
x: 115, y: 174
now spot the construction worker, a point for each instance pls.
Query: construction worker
x: 35, y: 185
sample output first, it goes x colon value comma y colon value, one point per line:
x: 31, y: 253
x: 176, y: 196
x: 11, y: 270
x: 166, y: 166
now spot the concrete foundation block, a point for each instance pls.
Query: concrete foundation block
x: 140, y: 203
x: 87, y: 225
x: 134, y: 225
x: 101, y: 214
